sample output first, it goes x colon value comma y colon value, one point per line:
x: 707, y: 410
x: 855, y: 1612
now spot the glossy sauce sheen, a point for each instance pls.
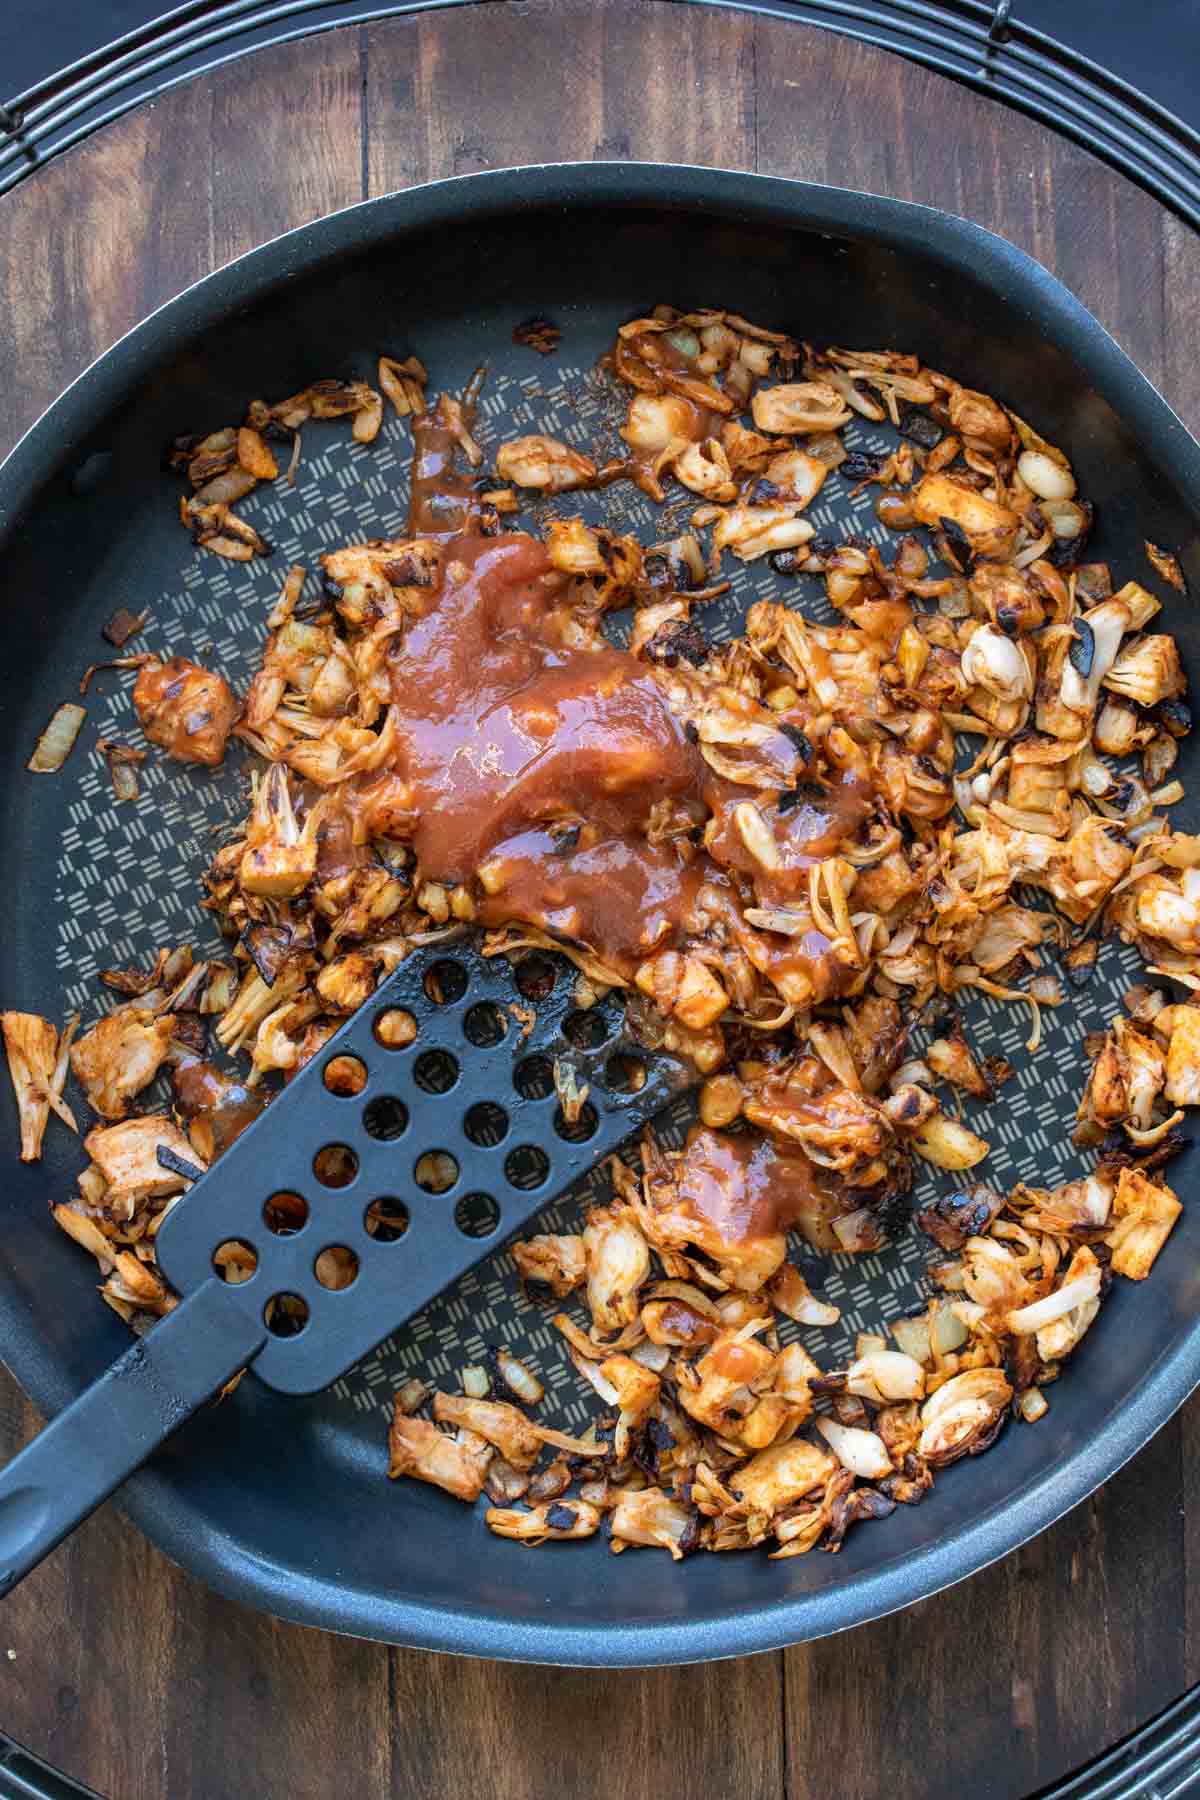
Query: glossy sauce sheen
x: 746, y: 1188
x: 505, y: 728
x: 219, y: 1105
x: 805, y: 833
x: 622, y: 897
x: 680, y: 1322
x: 692, y: 422
x: 441, y: 496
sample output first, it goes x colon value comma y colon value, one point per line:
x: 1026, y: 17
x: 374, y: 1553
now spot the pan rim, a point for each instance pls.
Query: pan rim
x: 191, y: 1537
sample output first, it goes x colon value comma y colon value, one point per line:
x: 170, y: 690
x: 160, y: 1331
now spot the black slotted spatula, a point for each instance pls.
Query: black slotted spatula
x: 364, y: 1189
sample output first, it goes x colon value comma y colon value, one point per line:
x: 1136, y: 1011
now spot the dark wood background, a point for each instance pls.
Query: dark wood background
x: 129, y: 1674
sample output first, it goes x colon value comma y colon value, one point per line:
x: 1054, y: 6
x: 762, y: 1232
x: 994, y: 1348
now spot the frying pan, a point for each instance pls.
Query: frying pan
x: 284, y: 1504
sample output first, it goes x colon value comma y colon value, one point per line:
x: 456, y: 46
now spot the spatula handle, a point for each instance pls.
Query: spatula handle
x: 111, y: 1429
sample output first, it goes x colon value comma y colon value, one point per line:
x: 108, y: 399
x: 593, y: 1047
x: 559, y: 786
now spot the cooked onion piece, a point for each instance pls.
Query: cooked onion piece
x: 31, y: 1047
x: 57, y: 740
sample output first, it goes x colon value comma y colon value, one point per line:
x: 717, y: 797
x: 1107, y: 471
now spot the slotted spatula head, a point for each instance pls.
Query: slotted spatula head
x: 454, y: 1137
x: 427, y: 1130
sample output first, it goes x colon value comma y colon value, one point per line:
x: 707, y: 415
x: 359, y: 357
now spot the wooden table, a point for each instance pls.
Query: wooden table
x: 129, y: 1674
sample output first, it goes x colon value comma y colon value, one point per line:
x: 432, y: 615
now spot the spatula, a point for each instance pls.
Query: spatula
x: 427, y: 1130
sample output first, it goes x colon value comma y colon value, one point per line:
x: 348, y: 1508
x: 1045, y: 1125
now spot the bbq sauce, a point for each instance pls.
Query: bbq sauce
x: 218, y: 1107
x: 746, y: 1189
x: 442, y: 500
x: 533, y: 760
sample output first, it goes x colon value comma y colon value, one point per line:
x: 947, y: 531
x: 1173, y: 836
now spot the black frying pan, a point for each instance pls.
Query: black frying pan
x: 284, y: 1504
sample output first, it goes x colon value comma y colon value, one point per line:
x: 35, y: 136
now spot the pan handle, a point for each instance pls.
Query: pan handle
x: 52, y: 1485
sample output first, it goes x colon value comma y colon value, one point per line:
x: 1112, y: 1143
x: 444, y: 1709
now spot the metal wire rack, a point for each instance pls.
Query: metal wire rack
x: 1161, y: 1761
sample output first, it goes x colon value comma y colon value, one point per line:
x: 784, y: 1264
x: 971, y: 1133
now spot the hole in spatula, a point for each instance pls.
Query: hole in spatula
x: 486, y: 1124
x: 445, y: 982
x: 436, y: 1171
x: 395, y: 1029
x: 579, y: 1129
x: 345, y: 1076
x: 585, y: 1030
x: 285, y: 1214
x: 624, y: 1074
x: 527, y: 1166
x: 534, y: 1078
x: 335, y: 1166
x: 336, y: 1267
x: 485, y: 1025
x: 477, y: 1215
x: 235, y: 1261
x: 436, y: 1071
x: 535, y: 976
x: 386, y: 1220
x: 285, y: 1315
x: 385, y: 1117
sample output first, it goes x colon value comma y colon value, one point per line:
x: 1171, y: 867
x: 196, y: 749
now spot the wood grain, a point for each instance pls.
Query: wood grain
x: 285, y: 141
x: 442, y: 102
x: 527, y: 1733
x: 123, y: 1670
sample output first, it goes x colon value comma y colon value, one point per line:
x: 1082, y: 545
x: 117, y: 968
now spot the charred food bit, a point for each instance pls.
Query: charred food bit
x: 1166, y: 565
x: 122, y: 626
x: 537, y: 334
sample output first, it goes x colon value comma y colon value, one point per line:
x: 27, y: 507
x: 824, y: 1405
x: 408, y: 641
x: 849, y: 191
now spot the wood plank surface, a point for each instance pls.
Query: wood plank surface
x: 126, y: 1672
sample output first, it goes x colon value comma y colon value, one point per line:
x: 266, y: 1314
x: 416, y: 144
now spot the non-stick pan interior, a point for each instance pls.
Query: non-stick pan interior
x: 285, y: 1502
